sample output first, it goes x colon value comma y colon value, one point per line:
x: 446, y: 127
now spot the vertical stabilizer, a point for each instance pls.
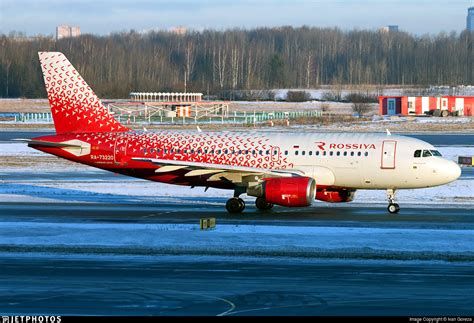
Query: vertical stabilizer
x: 74, y: 106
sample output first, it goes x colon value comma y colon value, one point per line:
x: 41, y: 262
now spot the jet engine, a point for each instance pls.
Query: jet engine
x: 335, y: 196
x: 290, y: 192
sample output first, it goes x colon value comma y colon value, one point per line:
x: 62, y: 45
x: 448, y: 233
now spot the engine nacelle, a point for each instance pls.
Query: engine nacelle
x: 335, y: 196
x: 290, y: 192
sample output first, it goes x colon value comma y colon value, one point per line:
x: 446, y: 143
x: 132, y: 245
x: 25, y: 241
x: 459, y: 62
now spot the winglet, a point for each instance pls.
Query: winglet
x: 388, y: 132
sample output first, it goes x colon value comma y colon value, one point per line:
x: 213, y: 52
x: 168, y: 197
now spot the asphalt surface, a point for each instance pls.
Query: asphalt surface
x: 186, y: 286
x: 188, y: 210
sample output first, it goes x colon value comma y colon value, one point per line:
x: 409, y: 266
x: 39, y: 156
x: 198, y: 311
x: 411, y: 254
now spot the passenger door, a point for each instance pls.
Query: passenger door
x: 389, y: 149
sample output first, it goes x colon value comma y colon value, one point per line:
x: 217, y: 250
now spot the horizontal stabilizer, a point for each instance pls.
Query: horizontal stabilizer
x: 48, y: 143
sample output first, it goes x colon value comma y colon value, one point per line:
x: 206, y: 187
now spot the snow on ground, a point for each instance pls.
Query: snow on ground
x: 243, y: 240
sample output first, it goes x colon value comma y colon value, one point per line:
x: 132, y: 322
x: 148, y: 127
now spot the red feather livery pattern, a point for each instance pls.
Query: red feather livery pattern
x: 74, y: 106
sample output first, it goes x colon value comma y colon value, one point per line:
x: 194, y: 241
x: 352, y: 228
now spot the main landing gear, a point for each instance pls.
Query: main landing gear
x: 235, y: 205
x: 262, y: 204
x: 393, y: 207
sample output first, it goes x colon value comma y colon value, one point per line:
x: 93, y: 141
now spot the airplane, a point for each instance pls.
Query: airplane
x: 285, y: 169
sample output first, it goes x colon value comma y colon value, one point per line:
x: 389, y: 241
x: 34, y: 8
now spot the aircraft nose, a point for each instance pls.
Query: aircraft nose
x: 452, y: 171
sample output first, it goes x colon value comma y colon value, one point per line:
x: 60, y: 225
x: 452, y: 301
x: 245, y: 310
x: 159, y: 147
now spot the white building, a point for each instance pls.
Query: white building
x: 65, y: 31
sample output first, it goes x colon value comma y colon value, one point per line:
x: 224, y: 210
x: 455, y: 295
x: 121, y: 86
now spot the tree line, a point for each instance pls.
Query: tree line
x: 213, y: 61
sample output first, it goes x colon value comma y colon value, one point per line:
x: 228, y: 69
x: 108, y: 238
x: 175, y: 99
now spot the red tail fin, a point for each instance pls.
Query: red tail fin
x: 74, y: 106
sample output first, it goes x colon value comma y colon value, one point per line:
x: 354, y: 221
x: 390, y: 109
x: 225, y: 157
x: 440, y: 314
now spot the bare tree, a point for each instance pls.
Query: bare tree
x: 360, y: 108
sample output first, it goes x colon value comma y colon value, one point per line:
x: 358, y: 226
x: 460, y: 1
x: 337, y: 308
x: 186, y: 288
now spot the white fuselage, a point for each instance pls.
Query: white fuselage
x: 364, y: 161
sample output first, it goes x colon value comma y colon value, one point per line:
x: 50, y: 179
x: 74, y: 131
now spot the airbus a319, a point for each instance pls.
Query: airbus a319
x: 285, y: 169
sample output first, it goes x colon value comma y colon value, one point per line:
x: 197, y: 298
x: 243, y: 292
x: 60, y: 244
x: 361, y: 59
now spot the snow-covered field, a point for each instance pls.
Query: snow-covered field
x: 238, y: 240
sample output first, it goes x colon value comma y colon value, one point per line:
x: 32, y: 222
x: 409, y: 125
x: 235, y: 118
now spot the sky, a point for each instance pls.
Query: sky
x: 105, y: 16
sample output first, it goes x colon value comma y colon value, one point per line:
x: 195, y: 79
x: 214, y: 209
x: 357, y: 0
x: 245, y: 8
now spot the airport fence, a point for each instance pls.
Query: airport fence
x: 231, y: 118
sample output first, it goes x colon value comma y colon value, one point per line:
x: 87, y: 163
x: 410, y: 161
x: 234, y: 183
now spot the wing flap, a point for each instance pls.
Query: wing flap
x: 168, y: 168
x: 200, y: 172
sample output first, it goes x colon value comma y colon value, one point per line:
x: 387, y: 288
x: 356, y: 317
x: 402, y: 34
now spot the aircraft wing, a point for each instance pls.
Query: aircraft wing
x: 218, y: 172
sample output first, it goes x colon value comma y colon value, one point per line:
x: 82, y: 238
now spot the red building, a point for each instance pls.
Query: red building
x: 421, y: 105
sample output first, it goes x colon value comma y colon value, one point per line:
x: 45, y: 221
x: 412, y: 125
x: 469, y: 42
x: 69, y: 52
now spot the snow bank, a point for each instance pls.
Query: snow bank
x: 238, y: 240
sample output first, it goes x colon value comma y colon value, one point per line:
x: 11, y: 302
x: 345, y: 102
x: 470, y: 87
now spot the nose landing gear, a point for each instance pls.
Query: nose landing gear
x: 393, y: 208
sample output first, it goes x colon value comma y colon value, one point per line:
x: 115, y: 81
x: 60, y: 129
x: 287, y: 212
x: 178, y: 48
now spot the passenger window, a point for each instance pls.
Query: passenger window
x: 286, y: 152
x: 331, y: 153
x: 338, y: 153
x: 345, y: 153
x: 310, y: 153
x: 317, y: 153
x: 427, y: 153
x: 296, y: 152
x: 268, y: 152
x: 303, y: 152
x: 359, y: 154
x: 324, y: 153
x: 366, y: 154
x: 417, y: 153
x: 352, y: 153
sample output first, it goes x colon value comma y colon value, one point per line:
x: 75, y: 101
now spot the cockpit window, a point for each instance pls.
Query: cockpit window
x: 427, y: 153
x: 417, y: 153
x: 436, y: 153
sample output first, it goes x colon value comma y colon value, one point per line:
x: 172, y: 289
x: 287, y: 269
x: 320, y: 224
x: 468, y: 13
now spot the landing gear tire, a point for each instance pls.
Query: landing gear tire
x: 445, y: 113
x: 235, y: 205
x: 393, y: 208
x: 262, y: 204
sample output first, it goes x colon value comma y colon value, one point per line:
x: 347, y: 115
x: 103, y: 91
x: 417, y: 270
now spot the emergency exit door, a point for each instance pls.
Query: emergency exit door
x: 389, y: 149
